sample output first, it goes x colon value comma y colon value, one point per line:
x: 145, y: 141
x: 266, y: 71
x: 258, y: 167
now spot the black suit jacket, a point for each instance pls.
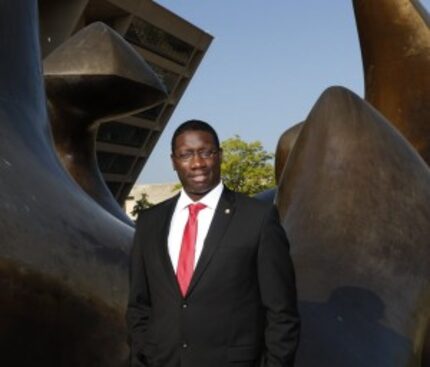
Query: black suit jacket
x: 240, y: 309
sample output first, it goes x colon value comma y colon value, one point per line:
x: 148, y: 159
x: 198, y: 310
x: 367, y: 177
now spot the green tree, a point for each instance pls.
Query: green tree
x: 141, y: 204
x: 247, y: 167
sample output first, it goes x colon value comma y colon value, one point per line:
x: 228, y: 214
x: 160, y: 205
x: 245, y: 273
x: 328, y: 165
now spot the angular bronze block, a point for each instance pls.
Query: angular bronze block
x: 95, y: 76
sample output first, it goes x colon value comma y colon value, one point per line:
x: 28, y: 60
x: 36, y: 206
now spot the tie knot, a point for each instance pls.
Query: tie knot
x: 195, y: 208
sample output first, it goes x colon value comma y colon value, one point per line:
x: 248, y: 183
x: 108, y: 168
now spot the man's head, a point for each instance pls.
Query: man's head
x: 196, y: 157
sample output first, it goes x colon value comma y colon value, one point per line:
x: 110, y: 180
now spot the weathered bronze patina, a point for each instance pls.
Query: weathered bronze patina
x: 63, y: 257
x: 95, y: 76
x: 395, y: 45
x: 285, y: 145
x: 354, y: 200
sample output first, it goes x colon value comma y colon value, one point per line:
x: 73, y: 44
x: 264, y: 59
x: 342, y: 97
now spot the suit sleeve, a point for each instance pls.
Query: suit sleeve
x: 278, y: 294
x: 139, y: 304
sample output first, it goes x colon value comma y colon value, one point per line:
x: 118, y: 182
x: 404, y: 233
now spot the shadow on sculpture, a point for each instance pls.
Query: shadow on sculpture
x: 426, y: 350
x: 350, y: 332
x: 63, y: 257
x: 353, y: 199
x: 93, y: 77
x: 45, y: 324
x: 267, y: 195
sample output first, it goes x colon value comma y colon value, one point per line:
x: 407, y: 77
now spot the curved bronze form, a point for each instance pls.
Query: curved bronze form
x: 354, y: 201
x: 63, y: 258
x: 395, y: 45
x: 284, y: 147
x: 95, y: 76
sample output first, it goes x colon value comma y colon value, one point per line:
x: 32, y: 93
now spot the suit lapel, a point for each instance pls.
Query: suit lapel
x: 220, y: 222
x: 163, y: 247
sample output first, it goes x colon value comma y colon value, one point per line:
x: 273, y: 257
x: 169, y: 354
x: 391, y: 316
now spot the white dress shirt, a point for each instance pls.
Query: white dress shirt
x: 180, y: 218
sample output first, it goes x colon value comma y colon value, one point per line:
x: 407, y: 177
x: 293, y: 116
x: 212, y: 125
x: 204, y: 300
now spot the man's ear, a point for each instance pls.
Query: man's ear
x: 220, y: 154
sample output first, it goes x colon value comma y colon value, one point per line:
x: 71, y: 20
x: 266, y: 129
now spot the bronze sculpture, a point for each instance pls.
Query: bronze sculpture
x: 284, y: 147
x: 354, y: 201
x: 395, y: 45
x: 93, y: 77
x: 63, y: 258
x: 357, y: 216
x: 354, y: 194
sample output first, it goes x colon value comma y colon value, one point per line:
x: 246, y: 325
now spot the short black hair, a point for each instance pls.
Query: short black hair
x: 194, y: 125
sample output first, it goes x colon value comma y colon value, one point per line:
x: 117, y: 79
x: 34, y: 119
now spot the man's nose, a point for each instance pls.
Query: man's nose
x: 197, y: 160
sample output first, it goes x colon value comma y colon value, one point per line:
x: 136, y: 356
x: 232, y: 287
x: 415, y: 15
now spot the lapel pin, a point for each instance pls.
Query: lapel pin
x: 227, y: 211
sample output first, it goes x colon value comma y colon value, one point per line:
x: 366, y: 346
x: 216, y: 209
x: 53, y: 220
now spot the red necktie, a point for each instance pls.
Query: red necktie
x: 188, y: 249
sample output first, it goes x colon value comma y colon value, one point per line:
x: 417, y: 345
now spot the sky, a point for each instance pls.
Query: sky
x: 266, y: 67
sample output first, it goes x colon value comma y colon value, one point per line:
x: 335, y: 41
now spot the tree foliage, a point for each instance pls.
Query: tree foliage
x: 141, y: 204
x: 247, y: 167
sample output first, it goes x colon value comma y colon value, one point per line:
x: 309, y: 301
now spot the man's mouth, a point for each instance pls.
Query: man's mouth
x: 199, y: 178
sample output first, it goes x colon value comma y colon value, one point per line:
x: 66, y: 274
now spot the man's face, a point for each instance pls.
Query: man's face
x: 197, y: 161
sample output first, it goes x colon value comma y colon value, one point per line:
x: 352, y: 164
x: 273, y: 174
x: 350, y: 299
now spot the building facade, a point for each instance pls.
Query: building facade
x: 172, y: 46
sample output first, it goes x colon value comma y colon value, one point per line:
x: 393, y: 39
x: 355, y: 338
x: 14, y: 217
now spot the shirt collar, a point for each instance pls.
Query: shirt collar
x: 210, y: 199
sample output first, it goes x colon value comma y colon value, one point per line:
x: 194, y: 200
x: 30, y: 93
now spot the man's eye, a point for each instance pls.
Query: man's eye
x: 205, y: 153
x: 185, y: 155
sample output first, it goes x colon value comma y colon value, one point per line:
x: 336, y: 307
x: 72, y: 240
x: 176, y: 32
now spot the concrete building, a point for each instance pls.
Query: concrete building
x: 155, y: 194
x: 171, y: 45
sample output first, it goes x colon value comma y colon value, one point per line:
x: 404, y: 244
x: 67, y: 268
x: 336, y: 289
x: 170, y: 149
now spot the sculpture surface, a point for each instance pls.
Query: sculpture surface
x: 284, y: 147
x: 93, y: 77
x: 63, y: 258
x: 395, y: 45
x: 353, y: 197
x: 354, y: 201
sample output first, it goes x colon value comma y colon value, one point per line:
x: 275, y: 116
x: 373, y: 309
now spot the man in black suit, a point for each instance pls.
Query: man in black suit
x: 211, y: 279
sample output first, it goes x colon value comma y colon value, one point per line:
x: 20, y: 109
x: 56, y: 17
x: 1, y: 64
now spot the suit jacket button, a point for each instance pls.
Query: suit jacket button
x: 184, y: 305
x: 184, y: 345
